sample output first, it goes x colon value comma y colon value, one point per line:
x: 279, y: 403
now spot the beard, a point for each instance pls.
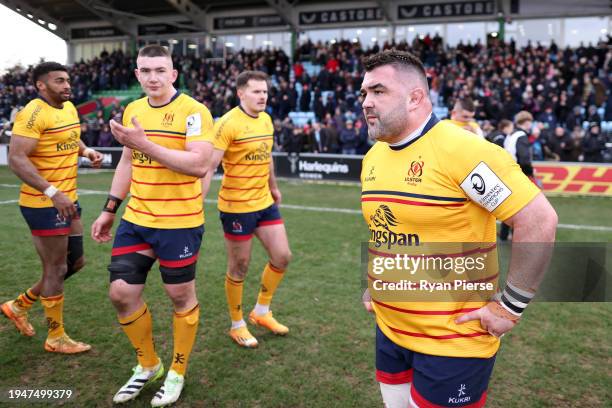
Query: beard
x: 389, y: 125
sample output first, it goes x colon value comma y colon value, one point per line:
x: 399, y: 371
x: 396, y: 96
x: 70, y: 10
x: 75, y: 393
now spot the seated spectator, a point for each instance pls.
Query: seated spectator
x: 106, y: 137
x: 561, y: 144
x: 593, y: 144
x: 348, y: 139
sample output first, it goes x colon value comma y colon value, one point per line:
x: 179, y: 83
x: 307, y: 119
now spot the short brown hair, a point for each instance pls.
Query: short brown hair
x: 154, y: 50
x: 522, y: 117
x: 504, y: 123
x: 465, y: 104
x: 245, y: 76
x: 398, y: 59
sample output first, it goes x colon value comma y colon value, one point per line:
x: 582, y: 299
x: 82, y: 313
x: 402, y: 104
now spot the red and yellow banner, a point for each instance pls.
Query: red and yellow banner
x: 575, y: 178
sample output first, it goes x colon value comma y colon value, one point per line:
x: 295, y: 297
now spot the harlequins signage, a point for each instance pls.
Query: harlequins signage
x: 454, y: 9
x: 341, y: 16
x: 265, y: 20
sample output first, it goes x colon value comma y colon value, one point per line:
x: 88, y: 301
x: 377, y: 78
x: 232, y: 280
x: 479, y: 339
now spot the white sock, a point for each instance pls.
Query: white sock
x: 396, y: 395
x: 237, y: 324
x: 261, y: 309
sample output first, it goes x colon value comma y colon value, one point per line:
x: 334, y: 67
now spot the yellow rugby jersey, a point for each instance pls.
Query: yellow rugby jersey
x: 247, y: 142
x: 443, y: 187
x: 474, y: 125
x: 56, y: 156
x: 160, y: 197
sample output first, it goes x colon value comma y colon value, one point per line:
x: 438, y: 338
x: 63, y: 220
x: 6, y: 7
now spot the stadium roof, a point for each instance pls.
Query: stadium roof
x: 66, y: 14
x: 90, y: 19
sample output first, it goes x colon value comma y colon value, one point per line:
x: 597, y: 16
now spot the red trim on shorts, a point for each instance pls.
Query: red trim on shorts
x: 50, y: 232
x: 270, y: 222
x: 129, y: 249
x: 179, y: 263
x: 403, y: 377
x: 233, y: 237
x: 423, y: 403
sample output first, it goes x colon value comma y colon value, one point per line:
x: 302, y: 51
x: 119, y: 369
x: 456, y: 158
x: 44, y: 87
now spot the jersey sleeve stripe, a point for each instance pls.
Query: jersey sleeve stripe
x: 248, y: 177
x: 57, y: 168
x: 61, y: 127
x: 38, y: 156
x: 60, y: 180
x: 243, y: 189
x: 242, y: 201
x: 254, y: 140
x: 413, y: 195
x: 253, y: 137
x: 409, y: 202
x: 438, y: 337
x: 426, y: 312
x: 164, y: 131
x: 165, y: 136
x: 46, y: 132
x: 164, y: 184
x: 40, y: 195
x: 163, y: 215
x: 167, y: 199
x: 246, y: 164
x: 148, y: 167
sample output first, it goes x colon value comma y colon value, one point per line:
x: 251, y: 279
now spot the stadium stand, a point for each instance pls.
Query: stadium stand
x: 567, y: 90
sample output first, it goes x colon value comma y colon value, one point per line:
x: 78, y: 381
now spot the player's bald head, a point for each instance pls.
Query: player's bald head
x: 408, y: 67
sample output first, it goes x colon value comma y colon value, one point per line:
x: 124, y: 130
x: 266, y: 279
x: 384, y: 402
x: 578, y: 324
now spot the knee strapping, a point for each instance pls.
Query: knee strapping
x: 132, y: 268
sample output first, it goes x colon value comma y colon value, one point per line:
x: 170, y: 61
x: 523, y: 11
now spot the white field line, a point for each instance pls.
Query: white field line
x: 325, y: 209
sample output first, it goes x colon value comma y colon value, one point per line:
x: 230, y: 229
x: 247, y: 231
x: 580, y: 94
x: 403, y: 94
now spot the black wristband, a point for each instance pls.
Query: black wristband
x: 112, y: 204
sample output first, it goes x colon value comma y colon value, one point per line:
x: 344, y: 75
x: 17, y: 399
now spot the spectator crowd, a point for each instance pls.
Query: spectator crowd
x: 568, y: 91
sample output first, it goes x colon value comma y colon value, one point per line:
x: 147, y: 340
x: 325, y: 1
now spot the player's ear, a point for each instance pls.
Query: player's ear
x: 415, y: 97
x: 137, y: 73
x: 174, y: 75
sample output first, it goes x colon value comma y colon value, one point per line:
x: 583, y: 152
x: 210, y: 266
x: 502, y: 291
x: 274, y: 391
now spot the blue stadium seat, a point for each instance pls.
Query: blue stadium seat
x: 301, y: 118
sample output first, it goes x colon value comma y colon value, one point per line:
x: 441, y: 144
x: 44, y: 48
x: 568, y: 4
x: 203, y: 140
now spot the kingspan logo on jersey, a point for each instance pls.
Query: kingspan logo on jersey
x: 262, y: 153
x: 71, y: 144
x: 381, y: 224
x: 141, y: 158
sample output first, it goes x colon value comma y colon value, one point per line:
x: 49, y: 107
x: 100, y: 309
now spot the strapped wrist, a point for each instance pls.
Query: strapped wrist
x: 50, y: 191
x: 515, y: 300
x: 112, y: 204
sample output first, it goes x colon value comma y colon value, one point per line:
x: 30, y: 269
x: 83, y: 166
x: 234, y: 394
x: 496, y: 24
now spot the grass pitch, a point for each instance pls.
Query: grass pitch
x: 559, y: 356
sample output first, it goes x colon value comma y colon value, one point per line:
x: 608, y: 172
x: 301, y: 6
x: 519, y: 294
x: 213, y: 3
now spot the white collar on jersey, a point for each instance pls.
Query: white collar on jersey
x: 417, y: 132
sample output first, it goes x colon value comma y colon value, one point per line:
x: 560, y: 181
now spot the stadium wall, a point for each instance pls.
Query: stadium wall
x: 557, y: 178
